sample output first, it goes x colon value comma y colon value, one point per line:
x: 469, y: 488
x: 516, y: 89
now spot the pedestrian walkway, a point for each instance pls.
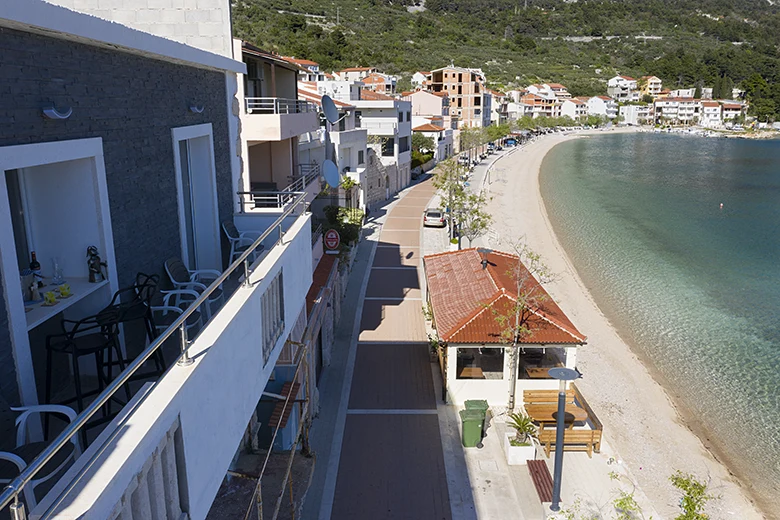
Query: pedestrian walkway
x: 390, y: 462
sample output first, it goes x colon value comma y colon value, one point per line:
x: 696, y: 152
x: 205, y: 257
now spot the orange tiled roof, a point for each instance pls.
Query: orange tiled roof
x: 355, y: 69
x: 428, y: 127
x: 710, y: 104
x: 319, y: 280
x: 298, y: 61
x: 605, y: 98
x: 441, y: 93
x: 556, y: 85
x: 373, y: 78
x: 370, y: 95
x: 732, y: 106
x: 629, y: 78
x: 465, y: 299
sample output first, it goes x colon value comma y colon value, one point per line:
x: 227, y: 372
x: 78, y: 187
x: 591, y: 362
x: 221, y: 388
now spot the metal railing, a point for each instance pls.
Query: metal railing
x: 259, y: 105
x: 10, y: 494
x: 272, y: 199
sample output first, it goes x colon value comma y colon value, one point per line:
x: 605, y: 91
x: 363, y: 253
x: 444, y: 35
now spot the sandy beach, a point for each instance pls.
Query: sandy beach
x: 641, y: 422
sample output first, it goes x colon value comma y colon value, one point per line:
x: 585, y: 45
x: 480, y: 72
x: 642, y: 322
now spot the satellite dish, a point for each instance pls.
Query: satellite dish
x: 329, y: 107
x: 331, y: 173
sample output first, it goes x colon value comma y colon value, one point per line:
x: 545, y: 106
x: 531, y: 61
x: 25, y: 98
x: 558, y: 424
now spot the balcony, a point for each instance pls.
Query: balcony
x: 384, y: 127
x: 162, y: 457
x: 346, y: 137
x: 276, y: 119
x: 265, y: 199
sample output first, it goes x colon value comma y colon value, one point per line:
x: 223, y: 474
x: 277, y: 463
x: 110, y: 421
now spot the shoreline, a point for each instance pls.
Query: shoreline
x: 652, y: 432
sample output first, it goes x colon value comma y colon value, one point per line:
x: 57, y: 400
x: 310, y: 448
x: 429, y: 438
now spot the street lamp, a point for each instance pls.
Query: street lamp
x: 563, y: 375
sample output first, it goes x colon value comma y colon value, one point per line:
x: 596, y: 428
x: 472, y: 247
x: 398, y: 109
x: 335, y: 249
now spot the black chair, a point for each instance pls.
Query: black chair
x: 92, y: 336
x: 134, y: 303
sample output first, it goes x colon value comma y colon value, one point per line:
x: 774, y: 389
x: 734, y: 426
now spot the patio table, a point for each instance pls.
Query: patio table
x: 471, y: 373
x: 547, y: 414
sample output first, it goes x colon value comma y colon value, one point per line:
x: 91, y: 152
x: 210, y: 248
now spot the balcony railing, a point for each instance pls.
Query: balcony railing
x: 271, y: 199
x: 380, y: 126
x: 278, y: 106
x: 11, y: 493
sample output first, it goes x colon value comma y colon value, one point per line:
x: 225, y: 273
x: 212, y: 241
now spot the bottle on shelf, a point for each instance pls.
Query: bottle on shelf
x: 35, y: 267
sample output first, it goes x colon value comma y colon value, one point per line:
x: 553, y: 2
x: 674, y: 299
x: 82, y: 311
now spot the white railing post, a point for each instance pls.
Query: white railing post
x: 17, y: 510
x: 185, y: 356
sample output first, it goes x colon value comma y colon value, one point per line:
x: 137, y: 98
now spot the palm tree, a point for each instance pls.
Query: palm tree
x: 524, y: 427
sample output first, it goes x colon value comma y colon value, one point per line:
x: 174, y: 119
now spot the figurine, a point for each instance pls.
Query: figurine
x: 95, y: 265
x: 35, y: 295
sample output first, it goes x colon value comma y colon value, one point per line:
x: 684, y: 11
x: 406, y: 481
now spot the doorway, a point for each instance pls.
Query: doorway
x: 196, y: 184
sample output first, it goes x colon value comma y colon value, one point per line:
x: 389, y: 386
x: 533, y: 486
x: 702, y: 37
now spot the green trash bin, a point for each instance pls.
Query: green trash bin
x: 481, y: 406
x: 472, y: 428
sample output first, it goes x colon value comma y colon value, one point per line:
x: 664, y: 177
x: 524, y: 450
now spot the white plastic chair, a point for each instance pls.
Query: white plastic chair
x: 195, y: 280
x: 240, y: 242
x: 165, y: 314
x: 26, y: 451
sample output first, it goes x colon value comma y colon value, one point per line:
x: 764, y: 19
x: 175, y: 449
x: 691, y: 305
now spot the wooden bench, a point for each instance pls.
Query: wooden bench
x: 542, y: 479
x: 546, y: 396
x: 573, y: 440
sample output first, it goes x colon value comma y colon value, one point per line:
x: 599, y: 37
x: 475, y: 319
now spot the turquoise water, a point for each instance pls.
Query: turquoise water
x: 694, y: 287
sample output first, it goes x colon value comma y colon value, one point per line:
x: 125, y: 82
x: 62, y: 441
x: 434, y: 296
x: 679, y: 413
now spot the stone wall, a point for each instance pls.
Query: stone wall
x: 132, y: 103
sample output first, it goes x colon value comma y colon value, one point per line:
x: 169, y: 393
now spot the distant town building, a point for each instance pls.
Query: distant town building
x: 636, y: 115
x: 575, y: 108
x: 420, y: 78
x: 649, y: 86
x: 623, y: 89
x: 602, y: 106
x: 466, y: 89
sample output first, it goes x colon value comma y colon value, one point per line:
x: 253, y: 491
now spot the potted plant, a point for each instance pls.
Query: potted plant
x: 520, y: 447
x: 453, y: 244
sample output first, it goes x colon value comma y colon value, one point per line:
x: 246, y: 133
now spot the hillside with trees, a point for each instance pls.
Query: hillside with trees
x: 687, y: 43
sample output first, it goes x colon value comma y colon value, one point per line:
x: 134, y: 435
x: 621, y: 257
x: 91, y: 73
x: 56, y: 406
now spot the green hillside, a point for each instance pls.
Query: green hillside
x: 580, y: 44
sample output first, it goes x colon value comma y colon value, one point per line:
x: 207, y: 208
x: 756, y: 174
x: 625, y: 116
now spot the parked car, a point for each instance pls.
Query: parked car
x: 434, y: 217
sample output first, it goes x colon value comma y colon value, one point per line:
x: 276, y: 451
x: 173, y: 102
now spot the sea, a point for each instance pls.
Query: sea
x: 678, y: 240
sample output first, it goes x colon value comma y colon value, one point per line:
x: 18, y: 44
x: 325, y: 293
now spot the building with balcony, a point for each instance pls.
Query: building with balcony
x: 499, y: 113
x: 575, y: 108
x: 623, y: 89
x: 272, y: 118
x: 650, y: 85
x: 389, y: 125
x: 307, y: 70
x: 602, y: 106
x: 149, y: 182
x: 442, y: 139
x: 636, y: 115
x: 466, y: 90
x: 355, y: 73
x: 711, y: 114
x: 379, y: 82
x: 677, y: 111
x: 540, y: 106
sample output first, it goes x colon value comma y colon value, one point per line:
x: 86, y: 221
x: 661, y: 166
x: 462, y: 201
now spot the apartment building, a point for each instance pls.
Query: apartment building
x: 650, y: 86
x: 674, y: 110
x: 602, y: 106
x: 355, y: 73
x: 433, y: 104
x: 307, y: 70
x: 469, y: 100
x: 420, y: 78
x: 389, y: 125
x: 575, y: 108
x: 623, y: 89
x: 711, y: 114
x: 499, y: 114
x: 550, y: 90
x: 155, y: 178
x: 379, y: 82
x: 540, y: 106
x: 636, y: 115
x: 732, y: 111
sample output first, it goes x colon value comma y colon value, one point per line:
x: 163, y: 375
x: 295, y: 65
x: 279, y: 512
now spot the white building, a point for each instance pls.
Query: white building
x: 602, y: 106
x: 341, y: 90
x: 355, y: 73
x: 623, y: 89
x: 442, y: 138
x: 420, y: 78
x: 389, y: 125
x: 733, y: 110
x: 674, y: 111
x: 308, y: 70
x: 636, y: 115
x: 682, y: 93
x: 574, y: 108
x: 711, y: 114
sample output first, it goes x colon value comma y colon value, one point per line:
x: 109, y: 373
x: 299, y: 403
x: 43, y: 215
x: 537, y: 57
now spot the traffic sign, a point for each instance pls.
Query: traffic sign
x: 332, y: 240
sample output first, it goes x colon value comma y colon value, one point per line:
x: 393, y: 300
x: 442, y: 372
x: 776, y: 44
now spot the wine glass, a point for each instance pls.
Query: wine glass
x: 57, y: 278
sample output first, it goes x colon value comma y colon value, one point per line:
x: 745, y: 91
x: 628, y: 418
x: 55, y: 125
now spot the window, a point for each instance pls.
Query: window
x: 272, y: 309
x: 360, y: 157
x: 358, y: 118
x: 400, y: 117
x: 403, y: 144
x: 460, y: 77
x: 480, y: 363
x: 342, y: 123
x: 388, y: 147
x: 408, y: 116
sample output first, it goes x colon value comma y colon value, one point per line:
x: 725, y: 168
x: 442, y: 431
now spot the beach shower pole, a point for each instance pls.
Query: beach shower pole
x: 563, y: 375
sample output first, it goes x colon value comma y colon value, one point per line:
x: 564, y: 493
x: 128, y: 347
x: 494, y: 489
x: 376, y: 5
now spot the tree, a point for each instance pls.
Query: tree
x: 447, y: 179
x: 726, y: 89
x: 473, y: 220
x: 647, y: 98
x: 422, y: 142
x: 697, y: 91
x: 529, y: 274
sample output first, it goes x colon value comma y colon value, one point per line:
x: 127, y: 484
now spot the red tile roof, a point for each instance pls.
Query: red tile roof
x: 428, y: 127
x: 370, y: 95
x: 732, y: 106
x: 355, y: 69
x: 298, y: 61
x: 441, y: 93
x: 710, y: 104
x: 629, y: 78
x: 465, y: 299
x: 556, y: 85
x: 605, y: 98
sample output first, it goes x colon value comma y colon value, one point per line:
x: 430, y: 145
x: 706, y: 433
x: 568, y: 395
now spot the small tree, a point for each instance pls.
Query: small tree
x: 473, y: 221
x: 448, y: 180
x: 422, y: 143
x: 529, y: 274
x: 523, y: 426
x: 694, y: 496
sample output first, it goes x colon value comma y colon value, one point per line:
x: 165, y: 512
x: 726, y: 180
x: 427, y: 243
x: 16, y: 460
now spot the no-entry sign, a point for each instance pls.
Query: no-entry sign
x: 332, y: 240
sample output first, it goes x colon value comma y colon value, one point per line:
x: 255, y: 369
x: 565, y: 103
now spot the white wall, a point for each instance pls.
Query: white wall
x: 213, y: 398
x: 204, y: 24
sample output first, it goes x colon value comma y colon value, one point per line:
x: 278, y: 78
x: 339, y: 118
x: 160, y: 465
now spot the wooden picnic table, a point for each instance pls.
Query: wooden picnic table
x: 471, y: 373
x: 547, y: 414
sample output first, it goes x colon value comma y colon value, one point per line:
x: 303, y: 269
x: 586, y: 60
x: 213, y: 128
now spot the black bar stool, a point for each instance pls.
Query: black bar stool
x: 92, y: 336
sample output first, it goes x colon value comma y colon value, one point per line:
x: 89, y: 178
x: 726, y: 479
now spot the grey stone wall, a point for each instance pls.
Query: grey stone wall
x: 132, y: 102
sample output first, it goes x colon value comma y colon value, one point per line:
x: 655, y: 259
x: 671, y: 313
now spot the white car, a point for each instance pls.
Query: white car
x: 434, y: 218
